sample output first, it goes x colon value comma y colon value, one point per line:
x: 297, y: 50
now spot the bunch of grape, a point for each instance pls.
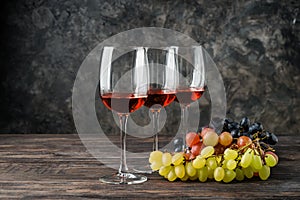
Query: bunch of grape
x: 220, y: 157
x: 245, y: 128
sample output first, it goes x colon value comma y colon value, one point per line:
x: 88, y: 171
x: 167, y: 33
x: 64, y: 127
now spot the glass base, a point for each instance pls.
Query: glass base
x: 143, y: 169
x: 123, y: 178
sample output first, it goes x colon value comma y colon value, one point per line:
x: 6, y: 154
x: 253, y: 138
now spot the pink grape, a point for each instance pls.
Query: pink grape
x: 211, y: 138
x: 192, y: 138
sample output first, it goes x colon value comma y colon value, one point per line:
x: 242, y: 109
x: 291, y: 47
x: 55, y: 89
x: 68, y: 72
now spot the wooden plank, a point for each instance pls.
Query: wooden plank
x: 59, y: 167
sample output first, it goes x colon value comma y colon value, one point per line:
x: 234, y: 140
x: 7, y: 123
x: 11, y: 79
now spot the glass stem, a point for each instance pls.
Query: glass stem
x: 155, y: 118
x: 184, y: 117
x: 123, y: 122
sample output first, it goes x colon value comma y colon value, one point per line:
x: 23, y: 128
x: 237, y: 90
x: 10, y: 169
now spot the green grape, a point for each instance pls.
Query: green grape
x: 270, y: 160
x: 166, y: 176
x: 202, y: 174
x: 264, y: 172
x: 155, y: 156
x: 256, y: 162
x: 166, y: 159
x: 229, y: 175
x: 230, y: 154
x: 219, y: 173
x: 207, y: 151
x: 211, y: 163
x: 195, y: 177
x: 185, y: 178
x: 248, y: 172
x: 231, y: 164
x: 224, y: 163
x: 172, y: 176
x: 189, y: 169
x: 180, y: 171
x: 239, y: 174
x: 210, y: 173
x: 199, y: 162
x: 273, y: 154
x: 247, y: 158
x: 156, y: 165
x: 164, y: 170
x: 177, y: 159
x: 253, y: 169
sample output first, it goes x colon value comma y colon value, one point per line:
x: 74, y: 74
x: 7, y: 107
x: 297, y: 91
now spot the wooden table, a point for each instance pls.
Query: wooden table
x: 59, y: 167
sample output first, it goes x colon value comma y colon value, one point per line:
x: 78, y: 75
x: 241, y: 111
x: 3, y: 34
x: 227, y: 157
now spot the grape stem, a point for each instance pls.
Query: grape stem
x: 244, y: 147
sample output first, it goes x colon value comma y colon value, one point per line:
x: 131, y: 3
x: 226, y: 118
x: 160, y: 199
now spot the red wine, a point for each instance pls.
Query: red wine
x: 188, y: 95
x: 123, y: 102
x: 159, y: 96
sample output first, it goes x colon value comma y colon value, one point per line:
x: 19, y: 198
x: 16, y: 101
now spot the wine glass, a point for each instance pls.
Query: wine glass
x: 162, y: 70
x: 161, y: 93
x: 191, y: 82
x: 123, y: 89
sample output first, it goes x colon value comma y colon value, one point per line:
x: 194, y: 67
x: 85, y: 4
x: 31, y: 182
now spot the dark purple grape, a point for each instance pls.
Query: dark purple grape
x: 266, y: 138
x: 226, y: 123
x: 255, y: 127
x: 252, y: 129
x: 225, y: 128
x: 235, y: 133
x: 233, y: 126
x: 245, y: 123
x: 272, y: 139
x: 244, y: 134
x: 259, y: 126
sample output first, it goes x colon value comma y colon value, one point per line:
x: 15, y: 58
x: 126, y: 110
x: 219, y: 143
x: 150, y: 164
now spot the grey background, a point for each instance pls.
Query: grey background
x: 255, y: 44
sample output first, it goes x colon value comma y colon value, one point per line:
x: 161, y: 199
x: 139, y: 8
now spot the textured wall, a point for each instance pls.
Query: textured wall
x: 254, y: 43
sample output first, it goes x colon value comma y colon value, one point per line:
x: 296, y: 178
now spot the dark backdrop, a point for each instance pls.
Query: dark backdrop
x: 254, y: 43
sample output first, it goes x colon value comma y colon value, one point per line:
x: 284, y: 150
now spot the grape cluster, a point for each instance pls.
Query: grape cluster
x: 223, y: 157
x: 245, y: 128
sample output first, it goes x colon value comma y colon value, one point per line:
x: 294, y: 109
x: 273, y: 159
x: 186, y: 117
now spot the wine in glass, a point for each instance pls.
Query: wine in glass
x: 191, y: 82
x: 123, y: 86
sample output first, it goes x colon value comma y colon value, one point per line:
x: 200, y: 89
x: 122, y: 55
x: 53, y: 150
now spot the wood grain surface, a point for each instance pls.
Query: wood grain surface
x: 59, y: 167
